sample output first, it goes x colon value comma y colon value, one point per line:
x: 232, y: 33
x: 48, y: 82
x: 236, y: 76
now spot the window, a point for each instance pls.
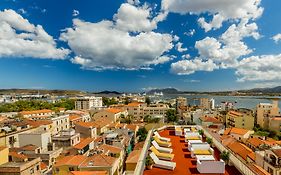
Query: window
x: 71, y: 168
x: 31, y: 171
x: 37, y: 167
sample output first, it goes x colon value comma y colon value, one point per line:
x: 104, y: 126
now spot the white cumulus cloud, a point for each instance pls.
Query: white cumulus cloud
x: 186, y: 67
x: 75, y: 13
x: 180, y: 48
x: 221, y: 10
x: 20, y: 38
x: 277, y: 38
x: 102, y: 45
x: 260, y: 68
x: 137, y: 19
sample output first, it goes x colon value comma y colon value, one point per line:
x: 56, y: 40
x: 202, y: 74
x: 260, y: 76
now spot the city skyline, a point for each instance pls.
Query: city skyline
x: 138, y: 45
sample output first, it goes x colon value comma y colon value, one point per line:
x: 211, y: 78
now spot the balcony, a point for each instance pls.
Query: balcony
x: 272, y: 163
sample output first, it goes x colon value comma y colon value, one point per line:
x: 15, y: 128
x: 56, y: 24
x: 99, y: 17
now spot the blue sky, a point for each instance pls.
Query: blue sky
x: 135, y: 45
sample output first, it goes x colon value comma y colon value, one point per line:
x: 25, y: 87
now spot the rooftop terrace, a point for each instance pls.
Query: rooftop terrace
x: 185, y: 165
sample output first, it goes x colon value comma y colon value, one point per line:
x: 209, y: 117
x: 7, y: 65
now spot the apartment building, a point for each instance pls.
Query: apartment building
x: 181, y: 101
x: 39, y: 138
x: 4, y: 152
x: 155, y: 110
x: 270, y: 160
x: 84, y: 164
x: 86, y: 129
x: 87, y: 103
x: 240, y: 119
x: 112, y: 114
x: 135, y: 109
x: 43, y: 112
x: 9, y: 133
x: 207, y: 104
x: 66, y: 138
x: 24, y: 167
x: 266, y: 111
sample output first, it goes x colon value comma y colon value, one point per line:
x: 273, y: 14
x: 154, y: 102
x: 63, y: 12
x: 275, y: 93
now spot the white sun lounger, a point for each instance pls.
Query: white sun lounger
x: 161, y: 163
x: 161, y: 149
x: 162, y: 138
x: 205, y: 157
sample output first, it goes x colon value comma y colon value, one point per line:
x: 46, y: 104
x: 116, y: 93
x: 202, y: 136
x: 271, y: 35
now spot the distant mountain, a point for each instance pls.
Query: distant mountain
x: 164, y: 91
x: 40, y: 91
x: 109, y: 92
x: 264, y: 90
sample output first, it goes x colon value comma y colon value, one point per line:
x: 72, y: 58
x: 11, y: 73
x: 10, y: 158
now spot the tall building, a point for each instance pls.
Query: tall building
x: 181, y: 101
x: 240, y: 119
x: 86, y: 103
x: 206, y: 103
x: 265, y: 111
x: 212, y: 103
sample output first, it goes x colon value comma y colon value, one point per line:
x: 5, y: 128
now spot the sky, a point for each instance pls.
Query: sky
x: 135, y: 45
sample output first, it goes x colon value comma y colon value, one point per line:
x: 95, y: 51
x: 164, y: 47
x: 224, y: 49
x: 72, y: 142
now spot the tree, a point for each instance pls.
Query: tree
x: 201, y: 132
x: 171, y: 115
x: 142, y: 133
x: 127, y: 101
x: 147, y: 100
x: 128, y: 119
x: 148, y: 162
x: 108, y: 101
x: 225, y: 156
x: 209, y: 140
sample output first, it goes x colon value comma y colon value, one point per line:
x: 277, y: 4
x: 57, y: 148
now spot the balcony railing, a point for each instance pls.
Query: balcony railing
x: 272, y: 163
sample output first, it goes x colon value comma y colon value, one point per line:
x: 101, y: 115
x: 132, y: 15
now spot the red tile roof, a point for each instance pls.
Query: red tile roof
x: 134, y: 156
x: 88, y: 173
x: 71, y: 160
x: 99, y: 160
x: 35, y: 112
x: 110, y: 148
x: 43, y: 166
x: 240, y: 149
x: 83, y: 143
x: 113, y: 110
x: 17, y: 155
x: 238, y: 131
x: 256, y: 142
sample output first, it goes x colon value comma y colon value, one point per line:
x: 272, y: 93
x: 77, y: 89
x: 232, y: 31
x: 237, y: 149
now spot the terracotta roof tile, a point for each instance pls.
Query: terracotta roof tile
x: 29, y: 147
x: 256, y: 142
x: 133, y: 156
x: 17, y: 155
x: 110, y: 148
x: 113, y: 110
x: 239, y: 131
x: 35, y: 112
x: 43, y: 166
x: 99, y: 160
x: 88, y: 173
x: 240, y: 149
x: 71, y: 160
x: 277, y: 152
x: 74, y: 117
x: 83, y: 143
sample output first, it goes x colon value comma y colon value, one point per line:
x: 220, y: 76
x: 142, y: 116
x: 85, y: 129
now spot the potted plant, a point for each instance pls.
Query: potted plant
x: 225, y: 156
x: 209, y: 141
x: 201, y: 132
x: 148, y: 162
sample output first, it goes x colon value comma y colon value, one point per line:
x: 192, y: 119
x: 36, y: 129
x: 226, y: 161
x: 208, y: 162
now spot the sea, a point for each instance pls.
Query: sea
x: 249, y: 102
